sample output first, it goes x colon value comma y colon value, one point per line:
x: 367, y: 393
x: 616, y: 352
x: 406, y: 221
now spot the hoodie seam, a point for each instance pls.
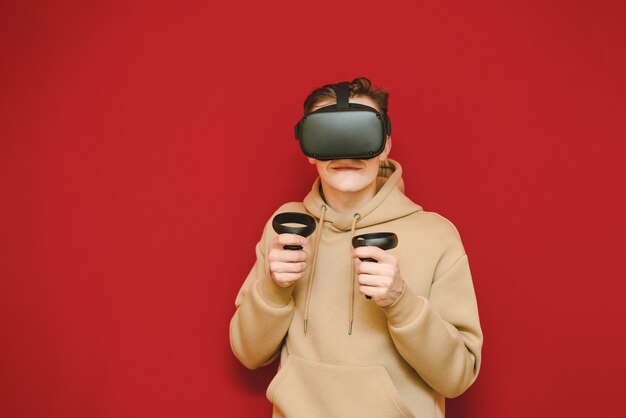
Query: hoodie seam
x: 458, y: 259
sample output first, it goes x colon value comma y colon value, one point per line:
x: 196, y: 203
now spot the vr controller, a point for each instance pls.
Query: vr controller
x: 345, y: 130
x: 383, y: 240
x: 293, y: 223
x: 304, y: 225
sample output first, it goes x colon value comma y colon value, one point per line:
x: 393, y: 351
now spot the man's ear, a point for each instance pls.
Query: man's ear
x: 383, y: 155
x: 311, y: 160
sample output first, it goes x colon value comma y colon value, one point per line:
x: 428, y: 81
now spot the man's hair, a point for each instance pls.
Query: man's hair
x: 358, y: 87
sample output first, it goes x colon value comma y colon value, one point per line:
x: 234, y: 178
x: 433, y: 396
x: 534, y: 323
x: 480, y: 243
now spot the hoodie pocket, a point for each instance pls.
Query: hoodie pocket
x: 304, y: 388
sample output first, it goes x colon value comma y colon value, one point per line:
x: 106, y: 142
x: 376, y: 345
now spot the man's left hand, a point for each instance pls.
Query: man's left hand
x: 379, y: 280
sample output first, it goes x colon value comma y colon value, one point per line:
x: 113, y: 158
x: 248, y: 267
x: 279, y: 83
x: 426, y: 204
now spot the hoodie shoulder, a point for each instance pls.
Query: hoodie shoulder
x: 439, y: 223
x: 439, y: 231
x: 441, y: 236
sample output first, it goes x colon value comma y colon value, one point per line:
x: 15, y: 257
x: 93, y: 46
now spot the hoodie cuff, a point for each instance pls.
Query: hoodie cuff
x: 405, y: 309
x: 273, y: 294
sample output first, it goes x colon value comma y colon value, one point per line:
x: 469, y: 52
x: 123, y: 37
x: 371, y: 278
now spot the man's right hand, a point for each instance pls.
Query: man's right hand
x: 287, y: 266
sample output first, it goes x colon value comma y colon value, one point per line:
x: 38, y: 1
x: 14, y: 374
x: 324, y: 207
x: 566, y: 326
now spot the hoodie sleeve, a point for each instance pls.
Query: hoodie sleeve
x: 263, y: 314
x: 440, y: 336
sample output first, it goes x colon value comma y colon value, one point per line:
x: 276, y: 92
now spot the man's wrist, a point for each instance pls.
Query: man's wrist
x: 394, y: 294
x: 274, y: 294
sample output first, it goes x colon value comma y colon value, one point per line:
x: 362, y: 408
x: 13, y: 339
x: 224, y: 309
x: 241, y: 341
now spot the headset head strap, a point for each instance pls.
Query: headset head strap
x: 343, y: 94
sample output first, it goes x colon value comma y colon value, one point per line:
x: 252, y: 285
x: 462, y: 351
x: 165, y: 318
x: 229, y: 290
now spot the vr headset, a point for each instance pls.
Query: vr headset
x: 345, y: 130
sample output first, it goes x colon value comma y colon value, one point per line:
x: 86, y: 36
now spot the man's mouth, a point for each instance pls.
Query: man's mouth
x: 345, y: 167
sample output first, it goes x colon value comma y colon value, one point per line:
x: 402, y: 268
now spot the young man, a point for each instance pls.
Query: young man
x: 400, y: 353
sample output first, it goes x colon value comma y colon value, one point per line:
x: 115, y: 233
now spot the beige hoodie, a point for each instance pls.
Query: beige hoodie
x: 357, y: 359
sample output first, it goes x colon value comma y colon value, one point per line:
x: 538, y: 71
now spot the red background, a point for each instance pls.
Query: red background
x: 144, y: 144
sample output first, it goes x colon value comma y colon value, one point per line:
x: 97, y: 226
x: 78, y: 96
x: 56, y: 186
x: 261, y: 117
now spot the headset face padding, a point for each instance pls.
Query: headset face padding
x: 343, y: 131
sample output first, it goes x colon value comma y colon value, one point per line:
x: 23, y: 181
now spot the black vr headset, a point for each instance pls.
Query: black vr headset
x: 345, y: 130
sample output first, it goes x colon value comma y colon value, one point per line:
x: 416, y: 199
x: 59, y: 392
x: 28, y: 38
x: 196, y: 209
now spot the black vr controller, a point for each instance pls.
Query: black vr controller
x: 345, y: 130
x: 306, y: 226
x: 383, y: 240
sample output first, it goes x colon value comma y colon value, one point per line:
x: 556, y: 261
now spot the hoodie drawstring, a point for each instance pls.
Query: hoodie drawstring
x: 356, y: 218
x: 312, y: 276
x: 318, y: 239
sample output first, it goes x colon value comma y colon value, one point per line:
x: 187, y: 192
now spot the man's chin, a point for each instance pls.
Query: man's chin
x: 349, y: 187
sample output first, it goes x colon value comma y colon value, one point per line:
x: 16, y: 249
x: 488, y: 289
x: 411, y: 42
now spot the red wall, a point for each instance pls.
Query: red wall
x: 144, y: 144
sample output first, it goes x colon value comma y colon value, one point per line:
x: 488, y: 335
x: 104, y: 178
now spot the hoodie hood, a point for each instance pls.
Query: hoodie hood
x: 388, y: 204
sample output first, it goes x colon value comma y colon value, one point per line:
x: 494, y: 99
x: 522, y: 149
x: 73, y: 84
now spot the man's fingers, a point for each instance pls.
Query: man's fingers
x: 380, y: 269
x: 287, y: 256
x: 374, y: 281
x: 279, y: 267
x: 372, y: 252
x: 370, y: 291
x: 288, y: 239
x: 286, y: 278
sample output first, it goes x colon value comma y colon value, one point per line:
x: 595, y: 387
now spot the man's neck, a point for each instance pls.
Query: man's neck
x: 348, y: 202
